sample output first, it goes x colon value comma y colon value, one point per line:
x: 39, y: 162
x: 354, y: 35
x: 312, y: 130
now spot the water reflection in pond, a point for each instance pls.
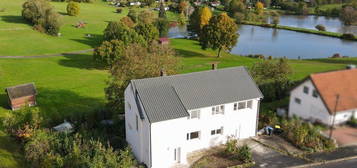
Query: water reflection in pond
x: 283, y: 43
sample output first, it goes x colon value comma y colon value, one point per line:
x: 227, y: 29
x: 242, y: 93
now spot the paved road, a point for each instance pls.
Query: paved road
x: 343, y: 164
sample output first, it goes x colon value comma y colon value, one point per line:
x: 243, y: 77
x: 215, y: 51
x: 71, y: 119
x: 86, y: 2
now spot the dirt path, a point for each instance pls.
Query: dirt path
x: 50, y: 55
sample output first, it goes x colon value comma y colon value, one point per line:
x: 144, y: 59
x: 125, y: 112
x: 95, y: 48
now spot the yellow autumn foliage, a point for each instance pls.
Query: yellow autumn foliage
x: 205, y: 16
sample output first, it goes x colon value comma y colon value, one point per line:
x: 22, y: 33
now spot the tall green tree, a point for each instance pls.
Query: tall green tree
x: 199, y: 18
x: 148, y: 31
x: 220, y: 33
x: 109, y: 51
x: 119, y: 31
x: 162, y: 23
x: 272, y: 76
x: 137, y: 62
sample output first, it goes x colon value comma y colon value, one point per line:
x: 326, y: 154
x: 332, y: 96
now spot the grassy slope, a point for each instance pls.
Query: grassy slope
x: 18, y: 38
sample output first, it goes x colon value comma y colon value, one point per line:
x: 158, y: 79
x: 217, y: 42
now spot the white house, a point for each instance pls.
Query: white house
x: 168, y: 117
x: 325, y: 97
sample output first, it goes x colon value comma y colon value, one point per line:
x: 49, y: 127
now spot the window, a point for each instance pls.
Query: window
x: 218, y: 110
x: 137, y: 123
x: 217, y: 131
x: 241, y: 105
x: 194, y: 114
x: 193, y: 135
x: 297, y: 100
x: 235, y: 106
x: 250, y: 104
x: 306, y: 90
x: 315, y: 94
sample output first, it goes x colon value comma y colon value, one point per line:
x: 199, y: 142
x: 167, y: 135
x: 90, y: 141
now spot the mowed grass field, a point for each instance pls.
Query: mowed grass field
x: 17, y: 38
x: 74, y: 84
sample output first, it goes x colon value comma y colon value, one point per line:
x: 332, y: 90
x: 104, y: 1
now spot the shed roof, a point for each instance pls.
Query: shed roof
x: 342, y: 83
x: 169, y: 97
x: 22, y: 90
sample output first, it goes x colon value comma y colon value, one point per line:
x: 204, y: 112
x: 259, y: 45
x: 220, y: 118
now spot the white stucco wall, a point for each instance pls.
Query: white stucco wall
x: 312, y: 108
x: 171, y: 134
x: 139, y: 140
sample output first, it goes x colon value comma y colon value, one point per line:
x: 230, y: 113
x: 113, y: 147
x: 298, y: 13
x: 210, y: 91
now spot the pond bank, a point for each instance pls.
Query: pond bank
x: 297, y: 29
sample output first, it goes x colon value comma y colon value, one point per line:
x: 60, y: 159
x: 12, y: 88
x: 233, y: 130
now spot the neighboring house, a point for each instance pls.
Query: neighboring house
x: 315, y: 99
x: 21, y: 95
x: 164, y: 41
x: 168, y: 117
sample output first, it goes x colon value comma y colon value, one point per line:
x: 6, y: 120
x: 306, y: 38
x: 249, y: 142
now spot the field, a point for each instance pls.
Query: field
x: 17, y: 38
x: 74, y: 84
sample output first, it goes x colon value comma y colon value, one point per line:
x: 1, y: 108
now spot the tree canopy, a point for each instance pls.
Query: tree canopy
x: 148, y: 31
x: 119, y: 31
x: 220, y: 33
x: 138, y: 62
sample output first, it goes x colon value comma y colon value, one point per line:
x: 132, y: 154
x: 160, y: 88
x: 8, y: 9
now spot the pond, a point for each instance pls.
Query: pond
x: 332, y: 24
x: 283, y: 43
x: 290, y: 44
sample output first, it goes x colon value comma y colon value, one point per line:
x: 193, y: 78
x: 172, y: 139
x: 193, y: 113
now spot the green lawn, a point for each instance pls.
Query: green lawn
x: 18, y: 38
x: 74, y: 84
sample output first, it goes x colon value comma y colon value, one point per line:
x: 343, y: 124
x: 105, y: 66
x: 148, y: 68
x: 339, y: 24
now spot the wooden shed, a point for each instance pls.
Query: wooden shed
x: 22, y: 95
x: 164, y: 41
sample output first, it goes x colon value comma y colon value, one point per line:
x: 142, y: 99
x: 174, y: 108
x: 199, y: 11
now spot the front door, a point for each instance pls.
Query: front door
x: 237, y: 132
x: 177, y: 155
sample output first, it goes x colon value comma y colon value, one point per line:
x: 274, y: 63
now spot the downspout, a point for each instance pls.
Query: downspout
x: 257, y: 122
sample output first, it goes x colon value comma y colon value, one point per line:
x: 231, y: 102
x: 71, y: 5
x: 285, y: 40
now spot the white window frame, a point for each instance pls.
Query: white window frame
x: 195, y: 111
x: 242, y: 108
x: 218, y: 109
x: 188, y: 135
x: 251, y: 104
x: 214, y: 132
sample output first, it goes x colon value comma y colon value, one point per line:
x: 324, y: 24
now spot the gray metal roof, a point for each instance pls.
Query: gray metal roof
x: 22, y: 90
x: 169, y: 97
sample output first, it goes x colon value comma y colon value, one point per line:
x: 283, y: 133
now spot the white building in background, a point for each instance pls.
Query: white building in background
x: 168, y: 117
x: 315, y: 99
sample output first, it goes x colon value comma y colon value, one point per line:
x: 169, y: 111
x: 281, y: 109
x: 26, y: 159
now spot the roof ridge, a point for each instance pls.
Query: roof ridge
x: 185, y: 74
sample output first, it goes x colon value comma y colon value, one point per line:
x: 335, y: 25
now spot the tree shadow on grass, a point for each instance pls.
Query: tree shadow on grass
x: 336, y: 60
x: 82, y: 61
x: 14, y: 19
x: 4, y: 101
x: 93, y: 41
x: 187, y: 53
x: 60, y: 104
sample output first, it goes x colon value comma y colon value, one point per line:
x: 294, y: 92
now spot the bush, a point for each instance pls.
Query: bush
x: 51, y: 149
x: 119, y: 10
x: 241, y: 153
x: 352, y: 122
x: 73, y: 8
x: 320, y: 27
x: 133, y: 14
x: 42, y: 16
x: 348, y: 36
x: 305, y: 136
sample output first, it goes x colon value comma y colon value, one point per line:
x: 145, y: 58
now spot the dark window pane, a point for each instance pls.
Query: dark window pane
x: 306, y: 90
x: 194, y: 135
x: 213, y: 132
x: 250, y: 104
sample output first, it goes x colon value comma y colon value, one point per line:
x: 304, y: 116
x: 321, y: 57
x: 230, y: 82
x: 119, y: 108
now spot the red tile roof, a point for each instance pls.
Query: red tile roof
x: 342, y: 83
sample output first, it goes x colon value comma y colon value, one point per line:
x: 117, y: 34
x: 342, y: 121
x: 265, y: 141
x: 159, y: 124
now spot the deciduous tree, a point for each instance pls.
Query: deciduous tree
x: 109, y: 51
x: 220, y: 33
x: 138, y: 62
x: 148, y: 31
x: 119, y: 31
x: 259, y: 8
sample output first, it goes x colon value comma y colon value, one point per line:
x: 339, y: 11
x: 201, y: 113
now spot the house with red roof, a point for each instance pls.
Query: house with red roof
x: 328, y: 98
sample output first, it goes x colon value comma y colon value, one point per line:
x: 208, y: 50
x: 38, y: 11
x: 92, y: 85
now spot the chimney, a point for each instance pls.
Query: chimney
x: 214, y: 66
x: 163, y: 72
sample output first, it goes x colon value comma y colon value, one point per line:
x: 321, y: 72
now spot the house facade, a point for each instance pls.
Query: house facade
x: 169, y: 117
x: 328, y: 98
